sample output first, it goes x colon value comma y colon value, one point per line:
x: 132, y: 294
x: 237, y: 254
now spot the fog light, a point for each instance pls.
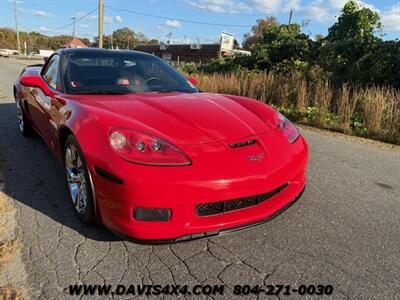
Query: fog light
x: 152, y: 214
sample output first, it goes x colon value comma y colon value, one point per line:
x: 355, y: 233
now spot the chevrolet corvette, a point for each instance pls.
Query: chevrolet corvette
x: 152, y: 157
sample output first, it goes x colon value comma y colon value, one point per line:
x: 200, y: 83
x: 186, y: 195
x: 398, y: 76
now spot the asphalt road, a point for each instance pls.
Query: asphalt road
x: 344, y: 231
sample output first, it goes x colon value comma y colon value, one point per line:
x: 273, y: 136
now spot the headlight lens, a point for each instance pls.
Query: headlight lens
x: 146, y: 149
x: 118, y: 140
x: 287, y: 128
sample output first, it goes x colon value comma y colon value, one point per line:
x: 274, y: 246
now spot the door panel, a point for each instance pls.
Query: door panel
x: 41, y: 105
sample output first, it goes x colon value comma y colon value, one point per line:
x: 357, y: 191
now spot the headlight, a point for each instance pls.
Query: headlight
x: 118, y: 140
x: 287, y: 128
x: 146, y: 149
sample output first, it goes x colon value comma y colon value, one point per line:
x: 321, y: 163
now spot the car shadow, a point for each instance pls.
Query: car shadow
x: 34, y: 178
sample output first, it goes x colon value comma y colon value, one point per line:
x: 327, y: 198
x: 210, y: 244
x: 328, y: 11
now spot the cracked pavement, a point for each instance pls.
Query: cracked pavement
x: 344, y: 231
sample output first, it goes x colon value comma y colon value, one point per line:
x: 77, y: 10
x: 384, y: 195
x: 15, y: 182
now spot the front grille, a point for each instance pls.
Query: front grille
x: 213, y: 208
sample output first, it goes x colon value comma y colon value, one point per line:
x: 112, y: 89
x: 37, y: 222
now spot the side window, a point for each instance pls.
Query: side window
x: 51, y: 72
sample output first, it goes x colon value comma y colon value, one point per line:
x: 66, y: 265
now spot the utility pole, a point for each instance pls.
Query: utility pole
x: 185, y: 39
x: 290, y: 16
x: 101, y: 15
x: 16, y: 26
x: 220, y: 46
x: 73, y: 27
x: 169, y: 38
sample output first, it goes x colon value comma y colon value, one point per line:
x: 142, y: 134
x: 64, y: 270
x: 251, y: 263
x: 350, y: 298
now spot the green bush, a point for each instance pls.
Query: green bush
x: 190, y: 69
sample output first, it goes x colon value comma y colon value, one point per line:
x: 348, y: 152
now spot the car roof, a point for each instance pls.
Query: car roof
x: 98, y: 50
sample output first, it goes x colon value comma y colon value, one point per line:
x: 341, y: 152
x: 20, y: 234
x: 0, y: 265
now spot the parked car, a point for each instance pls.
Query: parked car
x: 149, y: 155
x: 4, y: 54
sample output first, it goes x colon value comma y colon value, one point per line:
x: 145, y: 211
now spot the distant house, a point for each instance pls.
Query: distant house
x: 183, y: 53
x: 75, y: 43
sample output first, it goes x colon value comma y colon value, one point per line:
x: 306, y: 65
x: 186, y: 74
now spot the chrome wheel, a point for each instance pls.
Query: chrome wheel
x: 20, y: 116
x: 76, y: 178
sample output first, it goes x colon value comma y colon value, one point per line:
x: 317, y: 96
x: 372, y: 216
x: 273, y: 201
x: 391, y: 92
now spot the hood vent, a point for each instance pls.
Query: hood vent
x: 242, y: 144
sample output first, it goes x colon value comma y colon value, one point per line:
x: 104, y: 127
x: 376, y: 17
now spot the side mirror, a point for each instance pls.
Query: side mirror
x: 193, y: 80
x: 36, y: 81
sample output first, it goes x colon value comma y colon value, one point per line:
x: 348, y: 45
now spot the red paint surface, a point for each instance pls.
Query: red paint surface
x: 202, y: 125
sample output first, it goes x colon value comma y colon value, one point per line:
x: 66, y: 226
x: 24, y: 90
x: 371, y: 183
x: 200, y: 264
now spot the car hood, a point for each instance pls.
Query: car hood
x: 187, y: 118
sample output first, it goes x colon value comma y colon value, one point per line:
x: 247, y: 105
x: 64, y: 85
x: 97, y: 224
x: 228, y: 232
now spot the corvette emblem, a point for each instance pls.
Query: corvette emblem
x: 256, y: 157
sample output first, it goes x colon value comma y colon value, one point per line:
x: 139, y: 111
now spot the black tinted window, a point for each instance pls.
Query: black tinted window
x: 121, y: 72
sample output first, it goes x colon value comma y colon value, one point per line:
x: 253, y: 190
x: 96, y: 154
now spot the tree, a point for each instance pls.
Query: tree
x: 383, y: 69
x: 59, y: 41
x: 348, y: 48
x: 277, y: 46
x: 141, y: 38
x: 319, y: 37
x: 355, y: 23
x: 153, y: 42
x: 86, y: 41
x: 124, y: 38
x: 107, y: 41
x: 257, y: 30
x: 8, y: 38
x: 236, y: 44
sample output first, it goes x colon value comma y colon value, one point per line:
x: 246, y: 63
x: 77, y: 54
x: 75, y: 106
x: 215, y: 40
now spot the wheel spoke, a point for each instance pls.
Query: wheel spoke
x: 78, y: 162
x: 73, y: 175
x: 20, y: 117
x: 76, y: 178
x: 74, y: 190
x: 68, y: 157
x: 78, y: 199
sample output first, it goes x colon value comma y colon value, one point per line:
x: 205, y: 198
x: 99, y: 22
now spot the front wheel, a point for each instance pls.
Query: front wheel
x: 78, y: 181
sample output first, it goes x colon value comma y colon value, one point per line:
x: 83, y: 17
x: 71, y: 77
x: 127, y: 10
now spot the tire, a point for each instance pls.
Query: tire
x: 24, y: 125
x: 78, y: 181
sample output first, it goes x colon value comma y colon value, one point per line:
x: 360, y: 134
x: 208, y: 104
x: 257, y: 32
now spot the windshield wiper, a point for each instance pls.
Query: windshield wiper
x: 105, y: 92
x: 169, y: 91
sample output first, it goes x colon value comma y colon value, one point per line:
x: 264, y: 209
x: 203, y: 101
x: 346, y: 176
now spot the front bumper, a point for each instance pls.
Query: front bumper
x: 210, y: 234
x: 182, y: 188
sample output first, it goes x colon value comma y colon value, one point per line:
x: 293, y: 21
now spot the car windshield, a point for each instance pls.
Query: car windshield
x: 116, y: 72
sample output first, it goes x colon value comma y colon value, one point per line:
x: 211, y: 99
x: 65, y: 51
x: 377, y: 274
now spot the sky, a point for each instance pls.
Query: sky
x: 197, y: 20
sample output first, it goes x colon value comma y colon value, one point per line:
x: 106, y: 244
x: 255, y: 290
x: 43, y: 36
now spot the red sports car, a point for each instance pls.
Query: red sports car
x: 149, y: 155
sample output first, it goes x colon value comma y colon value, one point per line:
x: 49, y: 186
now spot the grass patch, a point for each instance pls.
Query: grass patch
x: 5, y: 205
x: 10, y: 293
x: 7, y: 251
x: 371, y: 112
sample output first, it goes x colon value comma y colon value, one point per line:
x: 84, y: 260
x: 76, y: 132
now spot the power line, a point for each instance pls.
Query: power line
x: 76, y: 20
x: 178, y: 19
x: 218, y: 12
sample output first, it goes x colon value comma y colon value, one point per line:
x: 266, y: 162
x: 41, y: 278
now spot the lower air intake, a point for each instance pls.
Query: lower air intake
x: 213, y: 208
